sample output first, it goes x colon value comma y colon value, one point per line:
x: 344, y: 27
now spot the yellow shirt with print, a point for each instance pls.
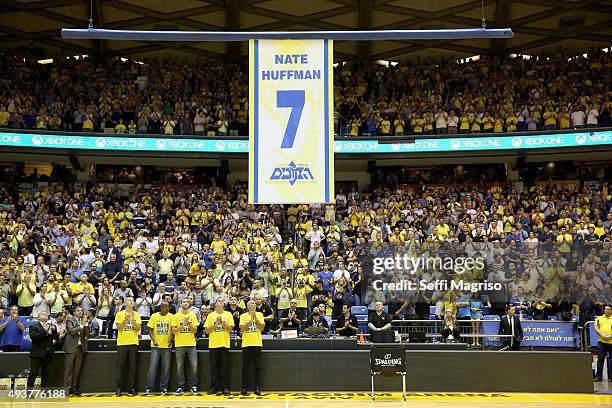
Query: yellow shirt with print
x: 4, y: 118
x: 128, y: 254
x: 604, y: 324
x: 219, y: 337
x: 184, y: 337
x: 251, y: 337
x: 550, y: 118
x: 128, y: 336
x: 160, y: 325
x: 476, y: 125
x: 301, y: 296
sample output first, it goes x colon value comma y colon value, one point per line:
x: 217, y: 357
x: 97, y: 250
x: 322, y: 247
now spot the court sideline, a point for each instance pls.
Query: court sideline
x: 332, y: 399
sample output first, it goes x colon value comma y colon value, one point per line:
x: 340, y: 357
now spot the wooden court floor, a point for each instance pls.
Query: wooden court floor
x: 332, y: 400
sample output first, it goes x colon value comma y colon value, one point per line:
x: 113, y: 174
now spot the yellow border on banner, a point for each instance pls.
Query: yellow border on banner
x: 332, y: 109
x: 252, y: 101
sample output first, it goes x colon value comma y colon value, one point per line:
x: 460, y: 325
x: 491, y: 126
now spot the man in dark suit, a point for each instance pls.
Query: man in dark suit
x: 510, y: 325
x: 43, y: 334
x: 75, y: 346
x: 379, y: 324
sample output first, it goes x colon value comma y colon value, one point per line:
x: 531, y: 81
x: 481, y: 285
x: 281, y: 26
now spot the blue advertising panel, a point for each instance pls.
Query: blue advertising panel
x: 538, y: 334
x: 422, y: 145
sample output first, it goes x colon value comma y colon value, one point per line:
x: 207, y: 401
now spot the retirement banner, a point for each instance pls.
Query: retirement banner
x: 290, y: 121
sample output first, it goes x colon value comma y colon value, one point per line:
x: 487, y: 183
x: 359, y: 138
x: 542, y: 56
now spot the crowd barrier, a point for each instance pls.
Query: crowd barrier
x: 536, y: 333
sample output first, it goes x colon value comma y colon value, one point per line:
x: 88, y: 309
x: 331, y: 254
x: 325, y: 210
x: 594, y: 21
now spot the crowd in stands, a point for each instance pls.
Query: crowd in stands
x: 208, y: 98
x: 548, y: 246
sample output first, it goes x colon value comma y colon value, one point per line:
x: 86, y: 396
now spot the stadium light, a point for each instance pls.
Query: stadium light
x: 139, y: 35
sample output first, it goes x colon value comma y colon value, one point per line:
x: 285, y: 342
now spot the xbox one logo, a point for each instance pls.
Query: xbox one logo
x: 337, y: 146
x: 37, y: 140
x: 100, y: 142
x: 581, y: 138
x: 395, y: 147
x: 161, y: 144
x: 517, y: 142
x: 455, y: 144
x: 220, y: 145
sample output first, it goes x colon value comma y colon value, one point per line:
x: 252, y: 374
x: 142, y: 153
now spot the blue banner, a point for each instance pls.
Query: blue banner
x: 537, y: 333
x: 424, y: 145
x: 593, y: 337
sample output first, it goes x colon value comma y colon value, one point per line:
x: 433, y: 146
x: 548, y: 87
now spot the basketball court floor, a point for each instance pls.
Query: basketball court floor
x: 332, y: 400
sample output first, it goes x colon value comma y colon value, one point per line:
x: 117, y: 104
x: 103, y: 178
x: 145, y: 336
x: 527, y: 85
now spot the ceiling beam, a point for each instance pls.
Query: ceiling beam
x: 562, y: 8
x: 232, y: 23
x: 181, y: 47
x: 14, y: 6
x: 39, y: 5
x: 30, y: 36
x: 364, y: 48
x: 585, y: 33
x: 152, y: 16
x: 567, y: 5
x: 502, y: 14
x: 291, y: 19
x: 97, y: 19
x: 419, y: 16
x: 49, y: 41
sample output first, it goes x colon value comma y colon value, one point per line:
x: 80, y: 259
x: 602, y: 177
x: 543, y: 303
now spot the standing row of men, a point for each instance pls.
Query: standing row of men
x: 166, y: 329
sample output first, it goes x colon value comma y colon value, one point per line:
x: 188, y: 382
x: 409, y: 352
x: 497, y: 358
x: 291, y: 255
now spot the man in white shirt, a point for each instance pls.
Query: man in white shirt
x: 452, y: 122
x: 165, y: 266
x: 341, y: 272
x: 578, y: 117
x: 592, y: 116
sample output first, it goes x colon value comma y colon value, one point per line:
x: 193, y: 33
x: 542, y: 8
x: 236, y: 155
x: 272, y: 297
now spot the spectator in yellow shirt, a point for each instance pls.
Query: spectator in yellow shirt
x: 550, y: 119
x: 251, y: 325
x: 161, y: 336
x: 128, y: 327
x: 184, y: 326
x: 218, y: 325
x: 603, y: 328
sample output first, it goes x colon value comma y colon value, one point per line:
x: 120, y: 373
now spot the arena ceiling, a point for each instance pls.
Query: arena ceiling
x: 540, y: 26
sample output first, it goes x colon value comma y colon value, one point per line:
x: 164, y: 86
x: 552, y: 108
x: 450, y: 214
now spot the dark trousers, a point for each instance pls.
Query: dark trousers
x: 511, y: 343
x: 251, y: 356
x: 25, y: 310
x: 219, y: 362
x: 42, y: 364
x: 126, y: 363
x: 72, y: 368
x: 604, y: 350
x: 10, y: 348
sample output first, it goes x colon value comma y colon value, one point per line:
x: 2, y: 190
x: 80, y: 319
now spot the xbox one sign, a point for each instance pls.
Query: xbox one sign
x: 426, y: 144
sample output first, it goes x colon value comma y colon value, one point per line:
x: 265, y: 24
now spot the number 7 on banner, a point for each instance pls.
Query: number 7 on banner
x: 295, y: 100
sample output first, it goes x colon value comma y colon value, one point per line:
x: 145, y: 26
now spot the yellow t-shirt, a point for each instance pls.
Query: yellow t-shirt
x: 128, y: 336
x: 218, y: 247
x: 161, y: 327
x: 605, y: 326
x: 26, y: 298
x: 219, y: 337
x: 4, y: 118
x: 184, y: 337
x: 252, y: 336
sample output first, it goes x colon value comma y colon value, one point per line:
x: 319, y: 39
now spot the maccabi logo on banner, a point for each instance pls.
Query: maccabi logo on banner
x: 292, y: 173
